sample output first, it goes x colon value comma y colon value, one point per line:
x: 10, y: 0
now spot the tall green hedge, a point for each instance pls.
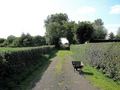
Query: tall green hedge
x: 103, y: 56
x: 16, y: 65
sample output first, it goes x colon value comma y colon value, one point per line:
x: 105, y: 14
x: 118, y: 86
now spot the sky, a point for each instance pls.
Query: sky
x: 27, y: 16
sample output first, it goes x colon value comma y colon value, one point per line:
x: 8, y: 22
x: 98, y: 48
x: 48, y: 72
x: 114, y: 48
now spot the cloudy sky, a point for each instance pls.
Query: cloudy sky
x: 18, y: 16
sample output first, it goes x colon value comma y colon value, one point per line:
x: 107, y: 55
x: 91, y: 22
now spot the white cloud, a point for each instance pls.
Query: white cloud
x: 17, y: 16
x: 115, y: 9
x: 86, y: 10
x: 112, y: 28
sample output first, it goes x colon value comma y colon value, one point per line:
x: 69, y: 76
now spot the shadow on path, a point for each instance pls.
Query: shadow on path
x: 85, y: 73
x: 44, y: 67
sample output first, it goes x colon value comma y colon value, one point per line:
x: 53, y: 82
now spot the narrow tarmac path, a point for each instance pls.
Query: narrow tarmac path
x: 60, y: 75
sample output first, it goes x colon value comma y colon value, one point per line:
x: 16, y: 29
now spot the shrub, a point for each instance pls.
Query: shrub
x: 103, y: 56
x: 16, y: 65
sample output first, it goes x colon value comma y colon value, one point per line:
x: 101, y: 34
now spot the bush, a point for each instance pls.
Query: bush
x: 16, y: 65
x: 103, y: 56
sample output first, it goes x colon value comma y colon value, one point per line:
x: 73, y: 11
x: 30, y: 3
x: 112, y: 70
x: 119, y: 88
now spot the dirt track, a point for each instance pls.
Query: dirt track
x: 66, y: 80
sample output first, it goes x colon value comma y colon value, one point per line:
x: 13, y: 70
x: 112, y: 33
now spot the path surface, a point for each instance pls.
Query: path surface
x: 65, y: 80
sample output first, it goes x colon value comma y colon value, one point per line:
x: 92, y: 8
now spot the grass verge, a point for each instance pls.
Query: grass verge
x: 96, y: 78
x: 61, y: 58
x: 28, y: 83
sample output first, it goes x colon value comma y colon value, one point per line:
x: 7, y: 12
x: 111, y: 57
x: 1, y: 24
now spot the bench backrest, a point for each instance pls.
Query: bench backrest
x: 76, y: 63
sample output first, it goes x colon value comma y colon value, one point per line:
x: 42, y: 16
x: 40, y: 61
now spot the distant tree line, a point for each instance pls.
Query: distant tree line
x: 25, y: 40
x: 58, y: 26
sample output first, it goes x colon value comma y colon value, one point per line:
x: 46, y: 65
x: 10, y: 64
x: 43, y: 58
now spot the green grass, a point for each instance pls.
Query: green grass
x: 98, y: 79
x: 28, y: 83
x: 59, y: 65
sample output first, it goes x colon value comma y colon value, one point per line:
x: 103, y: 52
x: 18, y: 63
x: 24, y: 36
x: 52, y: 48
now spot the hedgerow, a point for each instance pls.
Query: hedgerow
x: 16, y: 65
x: 103, y: 56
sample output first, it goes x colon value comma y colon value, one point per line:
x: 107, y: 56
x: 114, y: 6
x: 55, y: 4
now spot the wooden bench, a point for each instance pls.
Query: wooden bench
x: 78, y: 65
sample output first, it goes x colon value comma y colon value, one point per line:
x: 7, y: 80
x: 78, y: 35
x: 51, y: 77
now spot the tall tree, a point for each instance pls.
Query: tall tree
x: 99, y: 22
x: 53, y: 33
x: 68, y: 31
x: 83, y: 31
x: 54, y: 28
x: 100, y: 32
x: 111, y: 36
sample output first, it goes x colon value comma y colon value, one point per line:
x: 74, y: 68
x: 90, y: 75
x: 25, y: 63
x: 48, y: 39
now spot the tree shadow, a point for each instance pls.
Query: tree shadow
x: 53, y: 54
x: 45, y: 66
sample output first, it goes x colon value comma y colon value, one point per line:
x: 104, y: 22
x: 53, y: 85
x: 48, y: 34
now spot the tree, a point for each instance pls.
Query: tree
x: 9, y: 40
x: 83, y: 31
x: 68, y: 31
x: 39, y: 40
x: 53, y: 33
x: 99, y: 22
x: 118, y: 34
x: 26, y: 40
x: 2, y: 40
x: 111, y: 35
x: 56, y: 18
x: 54, y: 29
x: 16, y: 43
x: 23, y: 41
x: 100, y: 32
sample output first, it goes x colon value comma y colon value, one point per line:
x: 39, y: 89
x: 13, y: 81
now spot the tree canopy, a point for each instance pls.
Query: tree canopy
x: 68, y: 31
x: 57, y: 26
x: 83, y: 32
x: 56, y: 18
x: 99, y: 22
x: 100, y: 32
x: 2, y: 40
x: 111, y: 36
x: 54, y: 28
x: 26, y: 40
x: 9, y: 40
x: 53, y: 32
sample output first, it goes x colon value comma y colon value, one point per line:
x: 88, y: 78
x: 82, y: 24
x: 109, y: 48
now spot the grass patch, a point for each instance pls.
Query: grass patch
x: 28, y: 83
x: 62, y: 57
x: 98, y: 79
x: 70, y: 53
